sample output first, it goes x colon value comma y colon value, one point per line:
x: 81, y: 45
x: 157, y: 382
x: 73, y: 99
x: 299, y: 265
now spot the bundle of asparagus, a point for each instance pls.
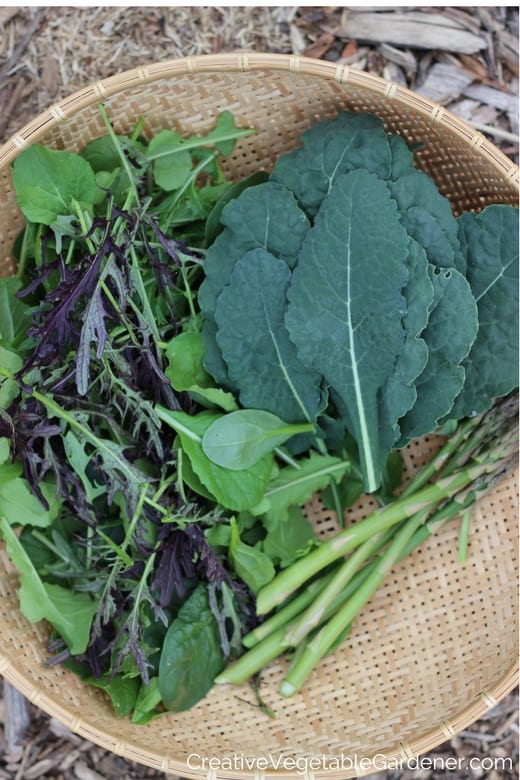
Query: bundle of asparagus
x: 314, y: 602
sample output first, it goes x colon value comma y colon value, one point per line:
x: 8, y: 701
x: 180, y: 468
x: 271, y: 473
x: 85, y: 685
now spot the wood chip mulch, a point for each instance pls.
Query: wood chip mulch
x: 465, y: 58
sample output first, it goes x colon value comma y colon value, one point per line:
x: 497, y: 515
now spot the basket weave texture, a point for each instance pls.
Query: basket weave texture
x: 437, y: 645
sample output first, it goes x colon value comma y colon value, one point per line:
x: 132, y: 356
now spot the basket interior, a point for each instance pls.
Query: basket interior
x: 437, y: 645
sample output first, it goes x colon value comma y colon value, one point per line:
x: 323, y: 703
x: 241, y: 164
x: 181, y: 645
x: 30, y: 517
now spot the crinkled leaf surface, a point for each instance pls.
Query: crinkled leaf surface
x: 251, y: 221
x: 451, y: 330
x: 262, y: 360
x: 490, y: 245
x: 47, y: 181
x: 346, y: 303
x: 428, y: 218
x: 399, y: 393
x: 332, y: 148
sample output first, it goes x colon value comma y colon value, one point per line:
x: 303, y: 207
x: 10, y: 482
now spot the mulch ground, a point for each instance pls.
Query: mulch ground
x: 463, y: 58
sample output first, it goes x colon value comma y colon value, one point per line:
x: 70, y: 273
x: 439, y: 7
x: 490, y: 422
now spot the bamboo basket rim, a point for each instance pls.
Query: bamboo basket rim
x: 245, y: 61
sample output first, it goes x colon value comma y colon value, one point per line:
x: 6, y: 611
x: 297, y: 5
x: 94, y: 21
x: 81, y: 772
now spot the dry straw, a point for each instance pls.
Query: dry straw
x: 437, y: 646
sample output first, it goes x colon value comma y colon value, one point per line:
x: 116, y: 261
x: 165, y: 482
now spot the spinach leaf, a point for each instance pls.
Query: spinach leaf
x: 330, y: 149
x: 191, y: 655
x: 186, y: 372
x: 252, y: 565
x: 254, y: 342
x: 238, y: 490
x: 346, y: 304
x: 451, y: 330
x: 213, y: 224
x: 48, y: 182
x: 240, y: 439
x: 490, y: 245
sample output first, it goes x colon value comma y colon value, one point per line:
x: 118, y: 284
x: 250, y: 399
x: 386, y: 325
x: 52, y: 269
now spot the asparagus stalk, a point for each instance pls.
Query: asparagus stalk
x: 486, y: 439
x: 285, y: 583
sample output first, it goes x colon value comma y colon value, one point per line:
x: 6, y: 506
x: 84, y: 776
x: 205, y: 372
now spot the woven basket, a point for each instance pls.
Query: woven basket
x: 437, y: 646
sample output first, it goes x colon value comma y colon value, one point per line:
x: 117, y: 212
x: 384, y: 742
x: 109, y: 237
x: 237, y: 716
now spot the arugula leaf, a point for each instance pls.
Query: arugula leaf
x: 172, y: 162
x: 443, y: 376
x: 47, y: 183
x: 296, y: 485
x: 69, y: 612
x: 252, y: 565
x: 240, y: 439
x: 191, y: 656
x: 490, y: 246
x: 290, y: 537
x: 346, y: 305
x: 262, y: 360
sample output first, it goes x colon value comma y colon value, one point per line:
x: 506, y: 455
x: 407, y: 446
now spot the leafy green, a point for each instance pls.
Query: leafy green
x: 428, y: 218
x: 443, y: 376
x: 359, y: 233
x: 399, y: 392
x: 240, y: 439
x: 330, y: 149
x: 213, y: 222
x: 289, y: 537
x: 250, y: 222
x: 70, y: 613
x: 186, y: 372
x: 490, y: 246
x: 191, y: 655
x: 261, y: 359
x: 48, y: 182
x: 235, y: 490
x: 252, y: 565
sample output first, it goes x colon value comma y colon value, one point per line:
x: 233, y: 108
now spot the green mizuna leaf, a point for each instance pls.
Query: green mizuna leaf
x: 490, y: 246
x: 451, y: 330
x: 69, y: 612
x: 346, y: 304
x: 47, y: 182
x: 262, y: 360
x: 330, y: 149
x: 240, y: 439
